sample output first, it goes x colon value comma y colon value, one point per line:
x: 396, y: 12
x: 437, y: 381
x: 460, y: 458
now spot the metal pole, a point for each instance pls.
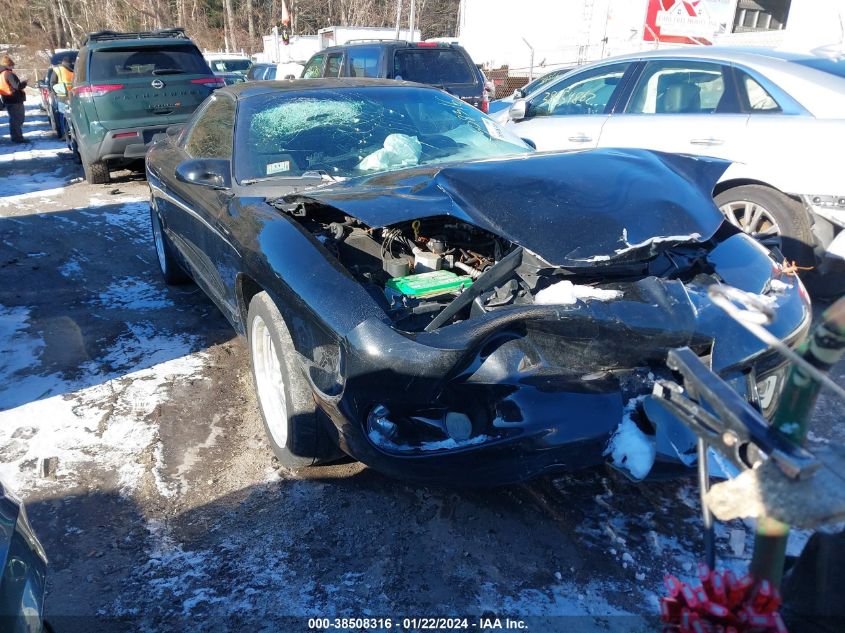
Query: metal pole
x: 706, y: 515
x: 412, y: 19
x: 822, y: 350
x: 398, y: 16
x: 531, y: 65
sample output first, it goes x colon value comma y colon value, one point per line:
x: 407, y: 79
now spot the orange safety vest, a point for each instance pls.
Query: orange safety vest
x: 64, y: 75
x: 5, y: 88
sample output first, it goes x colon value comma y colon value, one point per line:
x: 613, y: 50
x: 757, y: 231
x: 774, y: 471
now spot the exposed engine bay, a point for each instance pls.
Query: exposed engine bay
x: 434, y: 271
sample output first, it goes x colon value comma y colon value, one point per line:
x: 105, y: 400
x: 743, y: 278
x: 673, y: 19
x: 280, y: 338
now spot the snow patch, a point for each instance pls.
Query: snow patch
x: 132, y: 293
x: 567, y: 293
x: 106, y: 424
x: 71, y: 268
x: 629, y: 448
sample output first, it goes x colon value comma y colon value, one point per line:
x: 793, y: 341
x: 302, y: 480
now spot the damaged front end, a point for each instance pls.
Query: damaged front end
x: 527, y: 316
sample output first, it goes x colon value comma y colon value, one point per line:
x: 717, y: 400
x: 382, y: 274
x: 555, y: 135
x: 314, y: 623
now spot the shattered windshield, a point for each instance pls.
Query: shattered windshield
x: 349, y: 132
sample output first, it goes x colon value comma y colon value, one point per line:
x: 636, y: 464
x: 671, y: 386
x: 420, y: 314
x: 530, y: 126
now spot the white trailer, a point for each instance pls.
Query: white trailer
x: 335, y: 35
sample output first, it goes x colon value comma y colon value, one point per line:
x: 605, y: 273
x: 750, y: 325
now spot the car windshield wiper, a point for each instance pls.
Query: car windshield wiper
x: 168, y: 71
x: 311, y: 174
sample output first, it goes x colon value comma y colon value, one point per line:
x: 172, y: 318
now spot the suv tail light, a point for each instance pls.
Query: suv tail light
x: 210, y: 82
x: 97, y: 90
x: 485, y: 101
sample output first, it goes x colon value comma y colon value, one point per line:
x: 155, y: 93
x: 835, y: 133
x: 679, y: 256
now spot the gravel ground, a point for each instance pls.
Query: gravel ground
x: 167, y: 509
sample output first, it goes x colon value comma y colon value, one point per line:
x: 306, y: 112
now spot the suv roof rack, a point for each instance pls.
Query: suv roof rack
x: 103, y: 36
x: 376, y: 39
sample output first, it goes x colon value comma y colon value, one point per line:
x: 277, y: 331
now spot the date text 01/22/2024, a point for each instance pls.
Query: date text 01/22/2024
x: 417, y: 624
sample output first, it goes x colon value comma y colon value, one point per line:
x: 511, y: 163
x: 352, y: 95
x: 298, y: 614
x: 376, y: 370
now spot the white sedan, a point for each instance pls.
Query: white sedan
x: 779, y: 117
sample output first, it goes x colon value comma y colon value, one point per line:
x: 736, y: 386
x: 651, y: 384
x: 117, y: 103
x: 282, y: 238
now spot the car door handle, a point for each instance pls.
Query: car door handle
x: 707, y: 141
x: 581, y: 138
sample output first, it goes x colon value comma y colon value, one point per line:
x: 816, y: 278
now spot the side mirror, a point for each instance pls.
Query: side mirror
x: 517, y: 94
x: 518, y: 110
x: 173, y: 130
x: 205, y: 172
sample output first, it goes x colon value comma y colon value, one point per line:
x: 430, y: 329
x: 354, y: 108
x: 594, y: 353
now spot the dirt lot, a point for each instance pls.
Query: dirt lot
x: 167, y: 511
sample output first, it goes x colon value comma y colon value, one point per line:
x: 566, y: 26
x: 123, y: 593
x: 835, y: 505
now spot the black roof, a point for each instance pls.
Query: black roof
x: 254, y: 88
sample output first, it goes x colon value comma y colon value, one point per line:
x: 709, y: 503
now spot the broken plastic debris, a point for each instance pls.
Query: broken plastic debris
x: 47, y: 467
x: 400, y: 150
x: 380, y: 440
x: 737, y: 542
x: 567, y: 293
x: 629, y: 448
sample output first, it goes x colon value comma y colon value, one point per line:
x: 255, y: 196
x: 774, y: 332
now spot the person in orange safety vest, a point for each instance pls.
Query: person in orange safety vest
x: 13, y: 95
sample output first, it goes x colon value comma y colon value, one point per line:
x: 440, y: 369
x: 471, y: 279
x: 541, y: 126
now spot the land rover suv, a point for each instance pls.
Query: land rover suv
x: 447, y: 66
x: 128, y: 87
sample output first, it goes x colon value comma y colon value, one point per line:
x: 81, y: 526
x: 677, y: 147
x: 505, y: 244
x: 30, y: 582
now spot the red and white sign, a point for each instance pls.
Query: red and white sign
x: 688, y: 21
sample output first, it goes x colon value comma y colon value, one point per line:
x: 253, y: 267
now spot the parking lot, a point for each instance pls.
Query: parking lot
x: 129, y: 426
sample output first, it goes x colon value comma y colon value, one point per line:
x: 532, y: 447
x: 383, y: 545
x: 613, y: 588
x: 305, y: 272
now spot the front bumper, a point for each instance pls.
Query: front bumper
x: 543, y: 387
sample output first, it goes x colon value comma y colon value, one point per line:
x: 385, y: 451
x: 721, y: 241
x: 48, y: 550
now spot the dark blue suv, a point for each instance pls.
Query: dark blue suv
x: 447, y: 66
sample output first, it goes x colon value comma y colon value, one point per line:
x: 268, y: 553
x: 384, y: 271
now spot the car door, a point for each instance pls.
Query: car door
x: 681, y: 106
x: 570, y: 113
x: 208, y: 243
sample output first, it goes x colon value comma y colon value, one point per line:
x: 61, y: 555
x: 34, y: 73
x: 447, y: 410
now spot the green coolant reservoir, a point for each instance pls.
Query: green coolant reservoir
x: 437, y: 282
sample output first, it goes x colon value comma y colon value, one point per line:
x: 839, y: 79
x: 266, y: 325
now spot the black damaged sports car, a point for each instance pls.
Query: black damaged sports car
x: 424, y: 292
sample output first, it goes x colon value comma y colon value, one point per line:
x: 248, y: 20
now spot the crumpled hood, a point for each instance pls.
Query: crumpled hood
x: 572, y: 209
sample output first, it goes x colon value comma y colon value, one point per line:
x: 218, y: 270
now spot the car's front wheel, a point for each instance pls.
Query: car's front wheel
x: 284, y: 396
x: 774, y: 219
x: 168, y: 262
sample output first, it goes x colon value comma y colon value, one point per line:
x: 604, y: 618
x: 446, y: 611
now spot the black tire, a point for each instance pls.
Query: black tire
x: 292, y: 430
x: 96, y: 173
x: 168, y: 261
x: 776, y: 220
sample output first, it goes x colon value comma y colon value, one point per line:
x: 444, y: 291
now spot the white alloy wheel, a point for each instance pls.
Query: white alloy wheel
x: 755, y: 220
x: 269, y: 382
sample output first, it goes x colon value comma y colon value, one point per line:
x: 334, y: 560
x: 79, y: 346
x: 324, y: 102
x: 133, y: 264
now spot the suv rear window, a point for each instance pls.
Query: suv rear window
x: 437, y: 66
x: 148, y: 61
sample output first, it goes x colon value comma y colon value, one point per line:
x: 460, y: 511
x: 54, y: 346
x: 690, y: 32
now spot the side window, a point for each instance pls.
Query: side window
x: 754, y: 96
x: 333, y: 65
x: 680, y: 87
x: 363, y: 62
x: 588, y: 92
x: 212, y: 134
x: 314, y: 68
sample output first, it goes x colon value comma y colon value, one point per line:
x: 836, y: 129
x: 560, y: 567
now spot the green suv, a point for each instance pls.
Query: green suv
x: 128, y: 87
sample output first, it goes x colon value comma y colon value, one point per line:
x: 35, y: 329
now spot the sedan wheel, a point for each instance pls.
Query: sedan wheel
x: 284, y: 395
x: 774, y: 219
x: 168, y: 262
x: 755, y: 220
x: 269, y: 383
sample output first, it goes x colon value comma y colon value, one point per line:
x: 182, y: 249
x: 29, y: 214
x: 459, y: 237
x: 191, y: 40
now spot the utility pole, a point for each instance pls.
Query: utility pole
x: 398, y: 17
